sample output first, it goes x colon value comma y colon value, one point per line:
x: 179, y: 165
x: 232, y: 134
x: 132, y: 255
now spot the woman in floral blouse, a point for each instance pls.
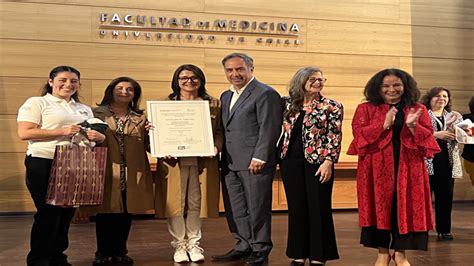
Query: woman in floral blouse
x: 392, y: 137
x: 309, y: 148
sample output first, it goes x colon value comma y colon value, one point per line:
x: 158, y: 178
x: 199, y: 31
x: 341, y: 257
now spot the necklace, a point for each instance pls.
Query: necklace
x: 438, y: 112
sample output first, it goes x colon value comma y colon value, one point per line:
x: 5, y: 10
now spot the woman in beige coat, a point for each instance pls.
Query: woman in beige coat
x: 190, y: 184
x: 128, y: 181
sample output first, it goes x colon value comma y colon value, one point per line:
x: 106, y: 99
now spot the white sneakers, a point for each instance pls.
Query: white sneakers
x: 182, y: 250
x: 180, y: 254
x: 195, y: 252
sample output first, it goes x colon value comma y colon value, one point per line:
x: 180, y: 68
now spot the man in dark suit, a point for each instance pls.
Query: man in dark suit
x: 251, y: 117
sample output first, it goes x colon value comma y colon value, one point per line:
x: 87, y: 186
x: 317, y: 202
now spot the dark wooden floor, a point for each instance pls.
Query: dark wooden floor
x: 149, y: 241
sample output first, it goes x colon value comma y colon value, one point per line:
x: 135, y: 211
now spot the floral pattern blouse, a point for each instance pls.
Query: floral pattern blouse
x: 453, y: 149
x: 120, y: 133
x: 322, y: 130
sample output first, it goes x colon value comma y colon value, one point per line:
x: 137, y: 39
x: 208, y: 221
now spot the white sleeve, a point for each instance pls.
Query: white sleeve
x: 31, y: 110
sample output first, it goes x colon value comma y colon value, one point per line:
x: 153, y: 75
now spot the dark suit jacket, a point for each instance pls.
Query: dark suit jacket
x: 252, y: 127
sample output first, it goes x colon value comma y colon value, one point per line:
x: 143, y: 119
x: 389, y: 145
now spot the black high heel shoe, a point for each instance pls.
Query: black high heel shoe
x: 445, y: 236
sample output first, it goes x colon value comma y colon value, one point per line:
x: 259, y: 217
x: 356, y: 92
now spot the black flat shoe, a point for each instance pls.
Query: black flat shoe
x: 297, y: 263
x: 122, y: 259
x: 100, y: 260
x: 445, y: 236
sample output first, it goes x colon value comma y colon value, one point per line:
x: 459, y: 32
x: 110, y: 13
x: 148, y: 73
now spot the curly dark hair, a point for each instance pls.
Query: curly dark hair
x: 134, y: 105
x: 426, y: 99
x: 199, y: 74
x: 410, y: 95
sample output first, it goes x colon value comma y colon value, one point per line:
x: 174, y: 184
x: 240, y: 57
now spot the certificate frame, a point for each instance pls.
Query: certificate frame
x: 180, y: 128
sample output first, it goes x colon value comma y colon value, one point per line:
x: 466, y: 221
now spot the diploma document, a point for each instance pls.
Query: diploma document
x: 181, y: 128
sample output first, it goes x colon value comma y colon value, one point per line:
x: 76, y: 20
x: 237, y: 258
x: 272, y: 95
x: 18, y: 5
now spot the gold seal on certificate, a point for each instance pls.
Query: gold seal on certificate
x: 181, y: 128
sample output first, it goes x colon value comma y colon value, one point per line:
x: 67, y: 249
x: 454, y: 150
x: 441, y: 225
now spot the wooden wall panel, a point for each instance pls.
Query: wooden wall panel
x: 344, y: 194
x: 42, y: 22
x: 345, y: 10
x: 177, y: 5
x: 14, y: 196
x: 448, y: 72
x: 383, y: 11
x: 358, y: 38
x: 105, y: 61
x: 442, y: 13
x: 9, y: 141
x: 437, y: 42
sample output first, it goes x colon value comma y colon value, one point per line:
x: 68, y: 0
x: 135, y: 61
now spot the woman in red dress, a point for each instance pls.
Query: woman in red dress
x: 392, y: 137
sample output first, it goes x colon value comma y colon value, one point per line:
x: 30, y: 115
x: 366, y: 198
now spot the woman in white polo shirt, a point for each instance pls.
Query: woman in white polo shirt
x: 47, y: 121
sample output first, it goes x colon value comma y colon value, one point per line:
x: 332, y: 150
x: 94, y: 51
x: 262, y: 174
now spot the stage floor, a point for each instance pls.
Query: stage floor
x: 149, y: 241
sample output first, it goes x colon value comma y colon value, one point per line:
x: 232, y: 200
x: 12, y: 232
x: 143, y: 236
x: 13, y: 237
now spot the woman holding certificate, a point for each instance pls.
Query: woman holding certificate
x: 190, y: 184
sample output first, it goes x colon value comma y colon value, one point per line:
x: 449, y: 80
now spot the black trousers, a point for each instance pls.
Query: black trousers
x: 442, y: 186
x: 112, y: 230
x: 49, y: 233
x: 372, y: 237
x: 311, y: 231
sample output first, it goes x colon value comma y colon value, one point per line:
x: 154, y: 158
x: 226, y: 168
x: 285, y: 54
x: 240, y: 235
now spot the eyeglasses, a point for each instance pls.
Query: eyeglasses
x: 320, y: 80
x: 186, y: 79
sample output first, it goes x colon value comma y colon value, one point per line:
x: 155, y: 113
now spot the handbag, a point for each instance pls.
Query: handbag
x: 77, y: 176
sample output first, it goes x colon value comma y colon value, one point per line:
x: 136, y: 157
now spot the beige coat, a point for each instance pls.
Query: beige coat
x: 168, y: 178
x: 140, y: 199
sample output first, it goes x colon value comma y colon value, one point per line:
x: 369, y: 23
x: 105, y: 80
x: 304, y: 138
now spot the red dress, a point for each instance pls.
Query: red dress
x: 375, y: 170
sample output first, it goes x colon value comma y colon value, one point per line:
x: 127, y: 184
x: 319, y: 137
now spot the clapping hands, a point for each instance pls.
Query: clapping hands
x: 412, y: 117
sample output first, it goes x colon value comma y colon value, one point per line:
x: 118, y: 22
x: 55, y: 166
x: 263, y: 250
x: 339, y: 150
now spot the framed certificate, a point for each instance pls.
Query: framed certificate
x: 181, y: 128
